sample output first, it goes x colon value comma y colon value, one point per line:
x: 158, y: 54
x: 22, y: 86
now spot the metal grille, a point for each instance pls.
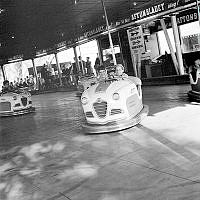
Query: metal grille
x: 5, y: 106
x: 100, y: 109
x: 24, y: 101
x: 115, y: 111
x: 89, y: 114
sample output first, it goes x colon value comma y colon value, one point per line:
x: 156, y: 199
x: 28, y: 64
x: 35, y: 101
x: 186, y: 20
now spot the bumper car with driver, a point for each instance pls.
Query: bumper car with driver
x: 113, y: 105
x: 15, y: 103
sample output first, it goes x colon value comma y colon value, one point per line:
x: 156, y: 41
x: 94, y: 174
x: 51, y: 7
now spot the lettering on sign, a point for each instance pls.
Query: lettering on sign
x: 148, y: 12
x: 136, y: 40
x: 155, y: 9
x: 16, y: 57
x: 187, y: 18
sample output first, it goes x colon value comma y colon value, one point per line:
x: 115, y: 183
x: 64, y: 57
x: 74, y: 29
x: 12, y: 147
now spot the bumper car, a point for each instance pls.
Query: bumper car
x: 15, y: 103
x: 113, y: 105
x: 194, y: 94
x: 84, y: 83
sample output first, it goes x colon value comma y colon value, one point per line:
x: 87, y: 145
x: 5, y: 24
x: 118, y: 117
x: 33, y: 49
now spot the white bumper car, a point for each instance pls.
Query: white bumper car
x: 113, y: 105
x: 15, y: 103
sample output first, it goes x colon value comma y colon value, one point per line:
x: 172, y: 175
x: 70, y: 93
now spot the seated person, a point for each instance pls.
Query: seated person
x: 193, y: 70
x: 111, y: 75
x: 119, y: 72
x: 102, y: 74
x: 12, y: 86
x: 6, y: 87
x: 21, y: 85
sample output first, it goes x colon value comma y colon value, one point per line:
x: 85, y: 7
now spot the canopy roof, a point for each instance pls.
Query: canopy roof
x: 27, y: 26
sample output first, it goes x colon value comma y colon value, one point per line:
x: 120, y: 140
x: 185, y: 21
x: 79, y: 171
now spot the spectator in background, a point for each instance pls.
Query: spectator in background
x: 16, y: 84
x: 88, y: 66
x: 82, y: 65
x: 44, y: 75
x: 25, y: 83
x: 66, y: 73
x: 12, y: 86
x: 75, y: 71
x: 21, y: 83
x: 109, y: 61
x: 28, y: 80
x: 97, y: 64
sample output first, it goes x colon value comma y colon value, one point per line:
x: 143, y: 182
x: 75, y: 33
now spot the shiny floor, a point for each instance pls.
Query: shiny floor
x: 46, y: 156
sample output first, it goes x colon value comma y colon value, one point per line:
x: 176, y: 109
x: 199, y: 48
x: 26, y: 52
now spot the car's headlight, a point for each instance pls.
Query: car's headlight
x: 116, y: 96
x: 84, y: 100
x: 14, y: 97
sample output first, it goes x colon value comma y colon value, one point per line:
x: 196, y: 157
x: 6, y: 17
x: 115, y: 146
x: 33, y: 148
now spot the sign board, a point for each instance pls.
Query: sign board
x: 136, y: 40
x: 187, y: 16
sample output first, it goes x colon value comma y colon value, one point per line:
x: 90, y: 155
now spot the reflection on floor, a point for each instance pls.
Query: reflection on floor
x: 46, y: 156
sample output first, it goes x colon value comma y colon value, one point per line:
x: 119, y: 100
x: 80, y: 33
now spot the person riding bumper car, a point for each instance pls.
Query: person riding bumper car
x: 194, y: 75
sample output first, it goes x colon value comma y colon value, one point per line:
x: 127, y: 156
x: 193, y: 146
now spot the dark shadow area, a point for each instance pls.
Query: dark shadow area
x: 161, y: 98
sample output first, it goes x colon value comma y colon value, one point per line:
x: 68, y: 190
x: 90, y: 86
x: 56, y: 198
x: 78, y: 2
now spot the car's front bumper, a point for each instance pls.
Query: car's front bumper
x: 17, y: 112
x: 116, y: 125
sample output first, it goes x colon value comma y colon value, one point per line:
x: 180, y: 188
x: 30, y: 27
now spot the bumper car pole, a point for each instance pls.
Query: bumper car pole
x: 3, y: 72
x: 35, y: 74
x: 109, y: 34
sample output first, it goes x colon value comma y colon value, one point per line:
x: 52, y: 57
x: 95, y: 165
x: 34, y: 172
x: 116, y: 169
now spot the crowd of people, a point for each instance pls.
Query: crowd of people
x: 70, y: 74
x: 27, y: 82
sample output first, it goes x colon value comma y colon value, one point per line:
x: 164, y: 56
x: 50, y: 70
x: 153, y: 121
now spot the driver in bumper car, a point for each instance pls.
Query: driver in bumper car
x: 119, y: 72
x: 193, y: 70
x: 6, y: 87
x: 102, y: 74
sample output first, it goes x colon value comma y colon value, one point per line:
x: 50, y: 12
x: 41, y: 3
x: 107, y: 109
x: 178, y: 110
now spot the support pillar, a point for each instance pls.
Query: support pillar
x: 100, y: 52
x: 109, y: 34
x: 76, y: 59
x: 3, y: 72
x: 81, y: 61
x: 177, y: 44
x: 134, y: 61
x: 120, y: 46
x: 59, y: 70
x: 198, y: 10
x: 162, y: 22
x: 35, y: 73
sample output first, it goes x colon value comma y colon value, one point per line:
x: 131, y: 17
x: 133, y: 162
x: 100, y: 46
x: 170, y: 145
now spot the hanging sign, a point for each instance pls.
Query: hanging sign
x: 187, y: 16
x: 136, y: 40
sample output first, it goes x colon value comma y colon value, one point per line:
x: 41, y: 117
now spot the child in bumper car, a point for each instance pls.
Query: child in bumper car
x: 102, y: 74
x: 6, y: 87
